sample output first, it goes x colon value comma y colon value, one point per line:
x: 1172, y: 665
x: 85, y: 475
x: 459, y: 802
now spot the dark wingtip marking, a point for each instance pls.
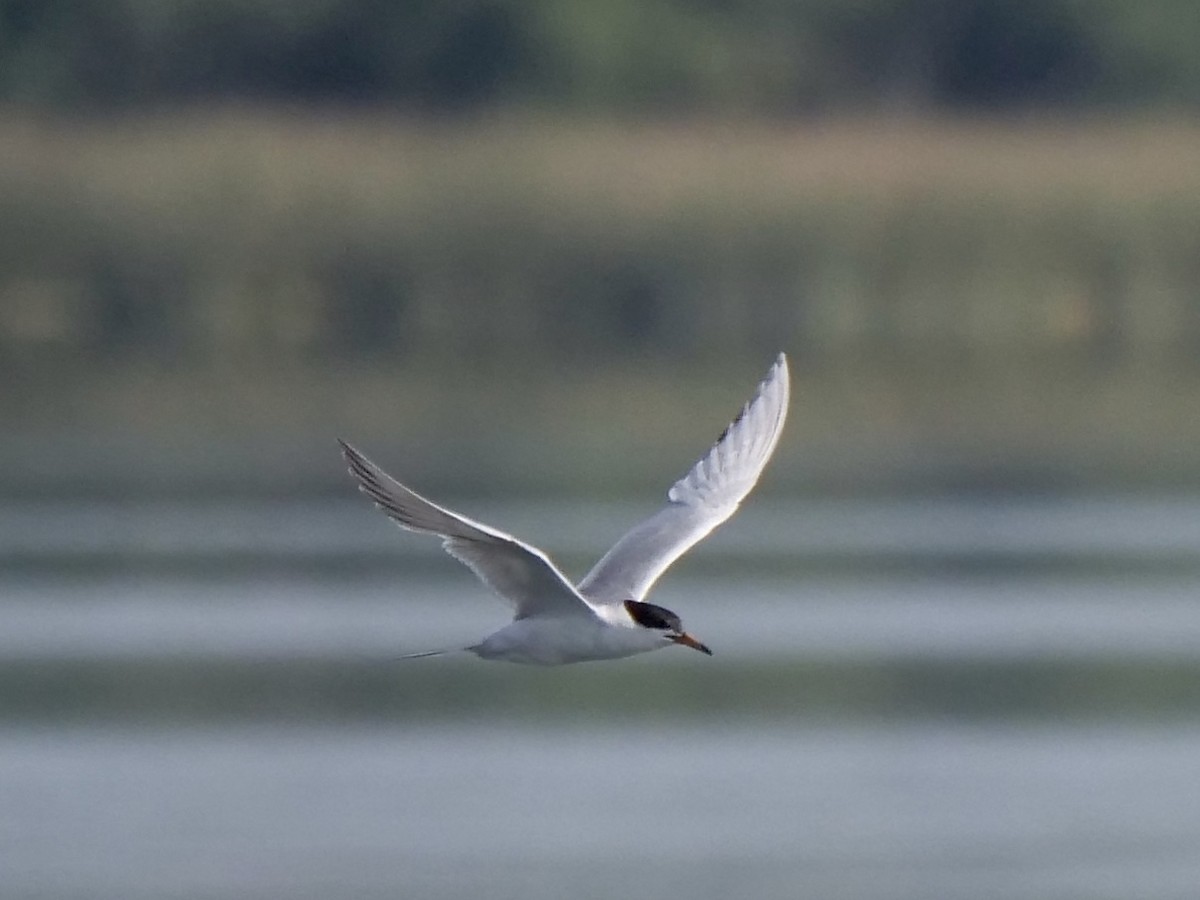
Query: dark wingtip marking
x: 732, y: 425
x: 745, y: 410
x: 368, y: 483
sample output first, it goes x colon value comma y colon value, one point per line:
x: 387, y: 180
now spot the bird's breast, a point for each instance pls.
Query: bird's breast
x: 553, y: 641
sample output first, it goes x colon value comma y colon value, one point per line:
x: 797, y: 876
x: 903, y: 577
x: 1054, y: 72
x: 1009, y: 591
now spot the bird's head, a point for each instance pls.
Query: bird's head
x: 656, y: 618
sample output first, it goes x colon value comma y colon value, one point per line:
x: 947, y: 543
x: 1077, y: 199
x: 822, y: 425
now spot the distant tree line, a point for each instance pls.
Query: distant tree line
x: 757, y: 56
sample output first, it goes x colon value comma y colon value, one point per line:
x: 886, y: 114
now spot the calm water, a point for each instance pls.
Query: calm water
x: 467, y: 811
x: 98, y: 803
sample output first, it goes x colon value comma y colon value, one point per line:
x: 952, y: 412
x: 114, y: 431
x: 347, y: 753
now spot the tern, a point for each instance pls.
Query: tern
x: 606, y: 615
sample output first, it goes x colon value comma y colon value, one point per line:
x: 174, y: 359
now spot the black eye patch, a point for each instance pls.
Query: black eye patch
x: 650, y: 616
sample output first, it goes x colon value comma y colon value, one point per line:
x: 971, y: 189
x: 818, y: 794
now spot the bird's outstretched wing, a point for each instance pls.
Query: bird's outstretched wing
x: 700, y: 501
x: 521, y: 574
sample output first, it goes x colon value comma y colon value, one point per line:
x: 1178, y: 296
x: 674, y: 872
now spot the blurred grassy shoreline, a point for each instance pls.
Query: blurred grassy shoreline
x: 781, y: 690
x: 601, y: 433
x: 965, y: 302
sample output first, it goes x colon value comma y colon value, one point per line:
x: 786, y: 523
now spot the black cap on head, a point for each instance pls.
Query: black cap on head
x: 660, y: 619
x: 650, y: 616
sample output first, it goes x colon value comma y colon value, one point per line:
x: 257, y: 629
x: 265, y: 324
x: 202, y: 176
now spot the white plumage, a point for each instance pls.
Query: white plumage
x: 606, y: 616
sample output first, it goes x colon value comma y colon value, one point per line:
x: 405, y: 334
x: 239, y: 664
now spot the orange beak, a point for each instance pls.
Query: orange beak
x: 688, y: 641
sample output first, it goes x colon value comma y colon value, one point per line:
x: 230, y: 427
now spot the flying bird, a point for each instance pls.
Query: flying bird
x: 606, y: 615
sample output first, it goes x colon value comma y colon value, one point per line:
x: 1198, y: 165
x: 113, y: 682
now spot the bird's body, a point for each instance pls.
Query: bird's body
x: 554, y: 640
x: 605, y: 616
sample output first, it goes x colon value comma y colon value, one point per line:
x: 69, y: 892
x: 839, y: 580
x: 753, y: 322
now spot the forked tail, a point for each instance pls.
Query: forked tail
x: 425, y: 654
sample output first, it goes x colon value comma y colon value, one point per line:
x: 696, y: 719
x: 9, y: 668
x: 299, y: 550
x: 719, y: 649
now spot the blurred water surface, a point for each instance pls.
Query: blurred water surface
x: 882, y: 811
x: 964, y: 697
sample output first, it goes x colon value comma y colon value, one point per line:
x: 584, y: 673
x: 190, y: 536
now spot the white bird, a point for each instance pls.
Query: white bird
x: 605, y: 615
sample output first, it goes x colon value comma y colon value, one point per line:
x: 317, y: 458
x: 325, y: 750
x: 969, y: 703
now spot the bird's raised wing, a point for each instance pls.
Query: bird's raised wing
x: 700, y: 501
x: 521, y: 574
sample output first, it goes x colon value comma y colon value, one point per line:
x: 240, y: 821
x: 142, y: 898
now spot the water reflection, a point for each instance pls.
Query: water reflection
x: 909, y: 700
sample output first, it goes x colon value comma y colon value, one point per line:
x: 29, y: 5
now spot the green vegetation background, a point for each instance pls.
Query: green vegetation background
x: 232, y: 230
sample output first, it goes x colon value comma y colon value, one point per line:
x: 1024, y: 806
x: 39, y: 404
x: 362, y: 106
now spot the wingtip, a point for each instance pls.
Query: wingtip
x: 776, y: 381
x: 781, y: 376
x: 355, y: 462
